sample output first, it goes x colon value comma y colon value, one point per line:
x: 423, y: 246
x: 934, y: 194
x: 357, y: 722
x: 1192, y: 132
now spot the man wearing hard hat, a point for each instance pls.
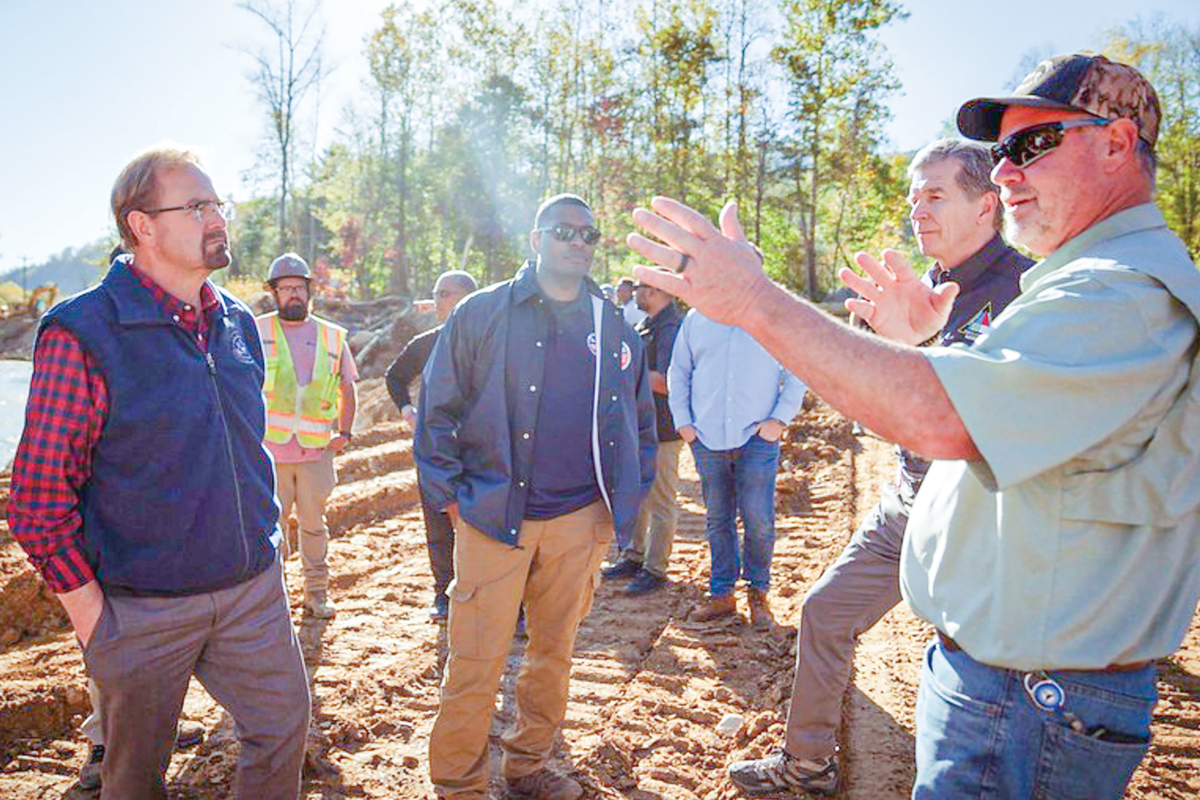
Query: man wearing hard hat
x: 311, y: 400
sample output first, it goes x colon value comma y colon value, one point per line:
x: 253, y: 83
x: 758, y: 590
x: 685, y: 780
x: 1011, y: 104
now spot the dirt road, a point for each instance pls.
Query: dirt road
x: 648, y: 687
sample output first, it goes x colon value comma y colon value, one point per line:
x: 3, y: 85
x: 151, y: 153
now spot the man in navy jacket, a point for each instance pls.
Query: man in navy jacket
x: 537, y: 435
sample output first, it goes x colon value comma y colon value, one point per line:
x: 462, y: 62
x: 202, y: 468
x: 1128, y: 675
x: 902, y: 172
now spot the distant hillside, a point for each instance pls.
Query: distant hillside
x: 72, y: 270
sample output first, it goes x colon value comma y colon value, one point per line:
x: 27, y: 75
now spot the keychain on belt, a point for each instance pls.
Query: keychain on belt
x: 1048, y: 695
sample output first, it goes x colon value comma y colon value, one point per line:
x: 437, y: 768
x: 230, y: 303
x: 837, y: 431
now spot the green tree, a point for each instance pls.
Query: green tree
x: 838, y: 77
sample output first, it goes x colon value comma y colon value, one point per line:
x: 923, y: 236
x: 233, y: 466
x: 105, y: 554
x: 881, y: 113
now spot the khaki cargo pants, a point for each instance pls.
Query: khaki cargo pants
x: 307, y: 486
x: 554, y: 571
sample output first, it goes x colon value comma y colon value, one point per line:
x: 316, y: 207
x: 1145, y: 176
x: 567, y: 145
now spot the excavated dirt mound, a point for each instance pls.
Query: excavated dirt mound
x: 648, y: 687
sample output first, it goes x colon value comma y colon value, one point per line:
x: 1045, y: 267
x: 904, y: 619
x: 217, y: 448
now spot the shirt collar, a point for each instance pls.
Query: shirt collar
x: 1140, y: 218
x: 975, y: 265
x: 525, y: 285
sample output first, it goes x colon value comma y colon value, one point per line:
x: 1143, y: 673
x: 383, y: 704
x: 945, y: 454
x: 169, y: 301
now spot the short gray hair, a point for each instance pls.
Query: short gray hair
x: 975, y: 176
x: 461, y: 278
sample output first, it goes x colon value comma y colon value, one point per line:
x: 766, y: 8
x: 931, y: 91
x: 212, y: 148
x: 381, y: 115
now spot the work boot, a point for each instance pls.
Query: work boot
x: 781, y: 772
x: 318, y: 604
x: 645, y: 583
x: 544, y: 784
x: 89, y: 773
x: 714, y: 608
x: 625, y: 568
x: 760, y: 612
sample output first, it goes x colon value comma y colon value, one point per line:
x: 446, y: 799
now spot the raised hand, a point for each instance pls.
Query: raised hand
x: 894, y: 301
x: 716, y: 271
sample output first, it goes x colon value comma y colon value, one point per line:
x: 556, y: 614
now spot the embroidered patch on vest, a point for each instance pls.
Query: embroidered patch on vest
x: 237, y: 344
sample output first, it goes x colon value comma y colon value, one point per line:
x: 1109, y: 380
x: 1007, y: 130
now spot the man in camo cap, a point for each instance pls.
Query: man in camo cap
x: 1056, y: 550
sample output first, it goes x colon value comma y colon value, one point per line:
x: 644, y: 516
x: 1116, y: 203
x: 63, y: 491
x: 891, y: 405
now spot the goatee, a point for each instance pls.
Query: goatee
x: 215, y: 251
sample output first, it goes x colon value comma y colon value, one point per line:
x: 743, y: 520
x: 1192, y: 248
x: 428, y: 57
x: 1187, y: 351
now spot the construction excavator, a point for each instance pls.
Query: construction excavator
x: 35, y: 303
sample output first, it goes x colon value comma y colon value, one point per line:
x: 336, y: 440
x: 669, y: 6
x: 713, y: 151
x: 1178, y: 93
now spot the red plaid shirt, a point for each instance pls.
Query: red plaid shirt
x: 64, y: 420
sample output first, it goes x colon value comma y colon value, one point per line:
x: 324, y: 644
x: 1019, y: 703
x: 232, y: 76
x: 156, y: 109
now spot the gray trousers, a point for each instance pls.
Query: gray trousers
x: 240, y: 644
x: 851, y: 595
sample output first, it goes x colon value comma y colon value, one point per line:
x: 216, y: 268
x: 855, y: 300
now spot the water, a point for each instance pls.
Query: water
x: 14, y: 388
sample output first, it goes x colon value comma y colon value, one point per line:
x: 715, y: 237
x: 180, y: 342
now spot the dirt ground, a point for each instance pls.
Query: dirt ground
x: 648, y: 688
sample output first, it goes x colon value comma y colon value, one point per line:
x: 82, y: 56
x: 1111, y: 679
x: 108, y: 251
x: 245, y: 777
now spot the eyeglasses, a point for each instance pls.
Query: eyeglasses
x: 565, y: 233
x: 225, y: 208
x: 1025, y: 147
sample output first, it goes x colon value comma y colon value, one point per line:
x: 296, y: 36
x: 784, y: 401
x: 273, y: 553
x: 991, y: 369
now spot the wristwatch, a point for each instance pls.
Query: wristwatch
x: 349, y: 436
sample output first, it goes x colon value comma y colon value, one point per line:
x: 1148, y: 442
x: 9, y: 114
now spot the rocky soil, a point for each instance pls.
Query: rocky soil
x: 648, y: 688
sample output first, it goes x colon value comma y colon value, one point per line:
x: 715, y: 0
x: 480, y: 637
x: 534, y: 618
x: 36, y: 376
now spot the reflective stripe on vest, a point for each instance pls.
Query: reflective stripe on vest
x: 307, y: 412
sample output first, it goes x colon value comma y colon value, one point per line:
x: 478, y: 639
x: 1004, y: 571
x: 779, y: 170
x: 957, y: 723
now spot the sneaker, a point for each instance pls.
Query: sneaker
x: 780, y: 772
x: 625, y: 568
x: 645, y: 583
x: 760, y: 612
x: 319, y: 605
x: 714, y: 608
x: 89, y: 773
x: 544, y: 785
x: 439, y: 609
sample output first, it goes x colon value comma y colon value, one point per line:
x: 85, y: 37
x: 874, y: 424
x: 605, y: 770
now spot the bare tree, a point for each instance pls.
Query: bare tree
x: 281, y: 79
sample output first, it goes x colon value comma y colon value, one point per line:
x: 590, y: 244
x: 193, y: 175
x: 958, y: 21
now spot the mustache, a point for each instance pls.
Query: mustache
x: 216, y: 236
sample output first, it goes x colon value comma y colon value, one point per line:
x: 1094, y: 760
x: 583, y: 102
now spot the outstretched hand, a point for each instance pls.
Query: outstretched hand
x: 722, y: 272
x: 894, y: 301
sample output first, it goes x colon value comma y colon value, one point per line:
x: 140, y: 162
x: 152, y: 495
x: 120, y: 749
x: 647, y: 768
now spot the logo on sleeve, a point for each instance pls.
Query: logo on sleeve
x: 977, y: 325
x: 238, y: 346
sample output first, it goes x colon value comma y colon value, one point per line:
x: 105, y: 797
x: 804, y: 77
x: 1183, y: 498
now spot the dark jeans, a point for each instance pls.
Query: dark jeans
x: 439, y: 537
x: 739, y: 480
x: 240, y: 644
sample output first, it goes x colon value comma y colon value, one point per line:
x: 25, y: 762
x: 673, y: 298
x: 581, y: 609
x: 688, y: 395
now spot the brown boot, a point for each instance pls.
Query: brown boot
x: 714, y: 608
x: 760, y: 612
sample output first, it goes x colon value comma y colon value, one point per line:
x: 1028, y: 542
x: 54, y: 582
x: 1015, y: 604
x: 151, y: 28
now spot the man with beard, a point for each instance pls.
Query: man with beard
x: 536, y: 434
x: 311, y: 402
x: 143, y: 494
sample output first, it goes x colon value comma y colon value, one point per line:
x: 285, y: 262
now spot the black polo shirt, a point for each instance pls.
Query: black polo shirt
x: 564, y: 473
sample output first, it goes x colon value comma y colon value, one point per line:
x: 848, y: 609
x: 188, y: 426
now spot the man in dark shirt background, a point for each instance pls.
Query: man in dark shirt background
x: 956, y: 218
x: 536, y: 434
x: 449, y: 288
x: 646, y: 558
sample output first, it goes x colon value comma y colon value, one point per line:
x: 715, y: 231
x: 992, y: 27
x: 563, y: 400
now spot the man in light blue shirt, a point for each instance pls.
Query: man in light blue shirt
x: 731, y: 400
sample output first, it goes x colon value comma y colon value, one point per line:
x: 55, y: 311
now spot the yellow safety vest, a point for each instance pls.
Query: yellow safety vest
x: 308, y: 412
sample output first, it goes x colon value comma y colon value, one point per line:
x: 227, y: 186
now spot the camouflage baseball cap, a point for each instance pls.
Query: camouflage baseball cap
x: 1078, y: 82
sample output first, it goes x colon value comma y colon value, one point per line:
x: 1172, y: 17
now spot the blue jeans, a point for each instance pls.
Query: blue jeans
x: 742, y: 479
x: 980, y: 735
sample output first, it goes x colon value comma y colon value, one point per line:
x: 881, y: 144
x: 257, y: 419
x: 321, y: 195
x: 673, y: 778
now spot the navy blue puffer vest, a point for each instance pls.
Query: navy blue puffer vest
x: 181, y: 499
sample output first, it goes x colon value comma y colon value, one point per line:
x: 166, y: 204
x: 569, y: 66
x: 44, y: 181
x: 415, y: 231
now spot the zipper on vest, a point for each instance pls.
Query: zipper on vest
x: 237, y: 494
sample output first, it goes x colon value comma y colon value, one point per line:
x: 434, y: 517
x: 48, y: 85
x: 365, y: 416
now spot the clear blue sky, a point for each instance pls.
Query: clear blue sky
x: 86, y: 85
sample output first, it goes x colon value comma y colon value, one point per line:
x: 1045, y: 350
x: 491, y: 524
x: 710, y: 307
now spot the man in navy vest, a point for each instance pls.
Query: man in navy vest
x: 142, y: 492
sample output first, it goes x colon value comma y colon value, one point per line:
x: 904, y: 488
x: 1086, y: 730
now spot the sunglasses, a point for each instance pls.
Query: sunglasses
x: 1025, y: 147
x: 565, y: 233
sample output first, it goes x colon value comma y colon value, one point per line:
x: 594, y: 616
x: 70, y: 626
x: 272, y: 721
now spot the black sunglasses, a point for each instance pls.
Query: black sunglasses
x: 565, y: 233
x: 1025, y: 147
